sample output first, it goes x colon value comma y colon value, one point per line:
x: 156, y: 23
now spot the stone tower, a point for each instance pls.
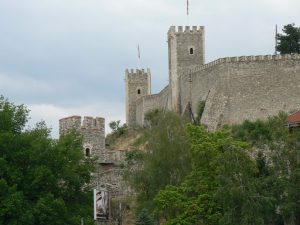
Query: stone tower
x: 138, y: 84
x: 186, y: 51
x: 92, y: 131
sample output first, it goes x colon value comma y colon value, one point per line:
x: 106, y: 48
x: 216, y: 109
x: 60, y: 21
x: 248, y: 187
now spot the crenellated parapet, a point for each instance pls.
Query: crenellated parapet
x: 75, y: 123
x: 89, y: 122
x: 252, y: 58
x: 173, y: 30
x: 69, y: 123
x: 137, y: 73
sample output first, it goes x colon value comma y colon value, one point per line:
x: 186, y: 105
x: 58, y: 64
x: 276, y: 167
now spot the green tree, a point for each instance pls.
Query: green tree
x: 223, y: 186
x: 280, y: 169
x: 144, y: 218
x: 42, y: 181
x: 289, y: 42
x: 165, y: 160
x: 196, y: 201
x: 114, y: 125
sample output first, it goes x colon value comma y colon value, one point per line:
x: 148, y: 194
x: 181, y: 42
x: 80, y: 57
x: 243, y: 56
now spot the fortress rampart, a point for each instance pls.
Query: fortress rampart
x: 234, y: 88
x: 240, y: 88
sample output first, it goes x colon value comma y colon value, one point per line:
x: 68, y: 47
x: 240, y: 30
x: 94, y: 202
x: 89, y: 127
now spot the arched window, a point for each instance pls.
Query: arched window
x: 191, y: 51
x: 139, y: 91
x: 87, y: 152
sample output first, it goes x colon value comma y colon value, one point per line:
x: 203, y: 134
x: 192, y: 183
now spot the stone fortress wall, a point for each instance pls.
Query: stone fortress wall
x: 108, y: 166
x: 234, y: 88
x: 240, y: 88
x: 92, y: 131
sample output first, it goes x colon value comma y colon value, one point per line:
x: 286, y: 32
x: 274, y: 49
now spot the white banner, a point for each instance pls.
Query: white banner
x: 101, y: 204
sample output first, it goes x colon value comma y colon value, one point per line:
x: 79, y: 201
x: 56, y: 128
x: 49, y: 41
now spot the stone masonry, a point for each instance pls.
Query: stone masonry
x: 108, y: 167
x: 137, y: 85
x: 92, y: 131
x: 234, y: 88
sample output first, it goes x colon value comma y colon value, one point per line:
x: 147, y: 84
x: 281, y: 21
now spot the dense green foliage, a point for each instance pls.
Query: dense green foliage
x: 245, y: 174
x: 42, y: 181
x: 165, y: 159
x: 289, y: 42
x: 144, y: 218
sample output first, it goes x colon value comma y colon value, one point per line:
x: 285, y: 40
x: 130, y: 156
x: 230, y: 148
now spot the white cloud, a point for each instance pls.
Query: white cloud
x: 21, y: 82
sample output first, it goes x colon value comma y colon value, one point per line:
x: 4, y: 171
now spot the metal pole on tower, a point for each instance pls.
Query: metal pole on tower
x: 139, y: 56
x: 187, y: 12
x: 276, y: 39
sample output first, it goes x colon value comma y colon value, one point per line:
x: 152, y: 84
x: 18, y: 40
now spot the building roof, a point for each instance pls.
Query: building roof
x: 293, y: 119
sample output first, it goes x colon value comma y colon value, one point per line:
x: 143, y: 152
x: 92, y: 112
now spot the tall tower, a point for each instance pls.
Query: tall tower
x: 138, y: 84
x: 186, y: 51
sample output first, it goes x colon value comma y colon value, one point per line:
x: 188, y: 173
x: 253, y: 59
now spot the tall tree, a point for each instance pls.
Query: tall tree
x: 289, y: 42
x: 42, y: 181
x: 166, y: 157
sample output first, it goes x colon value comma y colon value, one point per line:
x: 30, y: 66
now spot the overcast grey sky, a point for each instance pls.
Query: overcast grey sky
x: 68, y: 57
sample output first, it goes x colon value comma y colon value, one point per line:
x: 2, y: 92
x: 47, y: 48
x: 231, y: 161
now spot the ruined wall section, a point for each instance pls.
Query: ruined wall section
x: 69, y: 123
x: 252, y: 87
x: 92, y: 131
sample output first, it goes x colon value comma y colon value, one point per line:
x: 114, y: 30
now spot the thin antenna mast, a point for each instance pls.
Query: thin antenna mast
x: 139, y: 57
x: 276, y: 39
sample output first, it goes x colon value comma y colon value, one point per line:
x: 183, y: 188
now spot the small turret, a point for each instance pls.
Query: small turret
x: 92, y: 131
x: 138, y: 84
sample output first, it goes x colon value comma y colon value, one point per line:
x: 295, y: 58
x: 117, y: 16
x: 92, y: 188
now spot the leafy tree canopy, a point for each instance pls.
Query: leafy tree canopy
x: 165, y: 159
x: 289, y: 42
x: 248, y: 174
x: 144, y: 218
x: 42, y: 181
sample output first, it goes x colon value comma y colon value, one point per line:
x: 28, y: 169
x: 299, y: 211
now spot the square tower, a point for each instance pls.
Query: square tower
x: 138, y: 84
x: 186, y: 51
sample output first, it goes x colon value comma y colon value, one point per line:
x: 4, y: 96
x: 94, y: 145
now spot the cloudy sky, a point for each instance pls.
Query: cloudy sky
x: 67, y: 57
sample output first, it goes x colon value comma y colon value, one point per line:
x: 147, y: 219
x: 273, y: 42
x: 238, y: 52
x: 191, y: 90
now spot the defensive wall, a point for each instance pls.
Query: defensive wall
x: 240, y: 88
x: 235, y: 89
x: 151, y: 102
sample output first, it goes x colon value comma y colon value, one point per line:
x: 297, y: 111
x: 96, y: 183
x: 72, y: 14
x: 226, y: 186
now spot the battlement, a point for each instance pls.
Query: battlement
x: 185, y: 29
x: 247, y: 59
x: 93, y: 123
x: 75, y: 123
x: 137, y: 73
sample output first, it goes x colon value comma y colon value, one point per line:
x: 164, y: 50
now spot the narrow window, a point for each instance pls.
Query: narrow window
x: 139, y: 91
x: 87, y: 152
x: 191, y: 51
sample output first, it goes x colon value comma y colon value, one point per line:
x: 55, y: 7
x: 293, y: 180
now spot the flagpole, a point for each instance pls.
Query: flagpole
x: 139, y: 57
x: 276, y: 41
x: 187, y: 13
